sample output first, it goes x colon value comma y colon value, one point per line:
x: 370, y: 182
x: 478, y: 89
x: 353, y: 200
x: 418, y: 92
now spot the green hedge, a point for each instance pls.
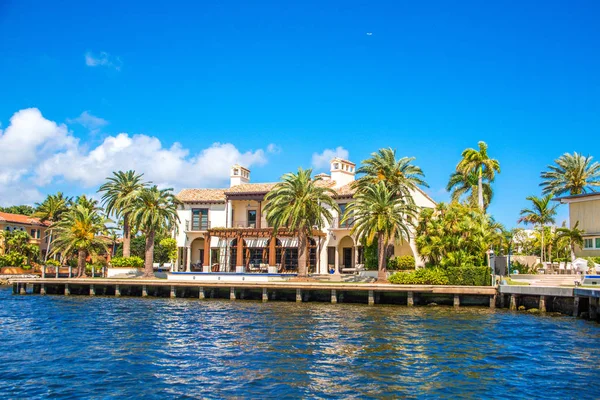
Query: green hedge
x: 401, y: 263
x: 127, y: 262
x: 52, y: 263
x: 464, y: 276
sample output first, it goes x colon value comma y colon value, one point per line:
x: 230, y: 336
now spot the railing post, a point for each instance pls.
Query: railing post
x: 265, y: 295
x: 298, y: 295
x: 333, y: 296
x: 56, y: 271
x: 70, y: 271
x: 43, y: 271
x: 93, y: 271
x: 410, y: 300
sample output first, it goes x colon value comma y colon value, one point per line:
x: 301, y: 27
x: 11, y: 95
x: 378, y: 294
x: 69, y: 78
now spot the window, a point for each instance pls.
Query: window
x: 588, y: 243
x: 33, y: 233
x: 598, y: 243
x: 347, y: 223
x: 336, y: 165
x: 214, y: 256
x: 251, y: 218
x: 199, y: 219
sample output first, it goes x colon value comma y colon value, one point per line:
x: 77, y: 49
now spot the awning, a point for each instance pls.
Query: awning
x: 289, y: 242
x: 256, y: 242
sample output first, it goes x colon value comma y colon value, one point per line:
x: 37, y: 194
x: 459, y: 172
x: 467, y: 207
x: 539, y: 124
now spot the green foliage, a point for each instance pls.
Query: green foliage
x: 127, y: 262
x: 401, y: 263
x: 138, y: 249
x: 455, y: 235
x: 369, y: 255
x: 572, y: 174
x: 27, y: 267
x: 422, y: 276
x: 592, y: 260
x: 523, y: 268
x: 170, y: 247
x: 52, y: 263
x: 22, y: 210
x: 18, y: 250
x: 463, y: 276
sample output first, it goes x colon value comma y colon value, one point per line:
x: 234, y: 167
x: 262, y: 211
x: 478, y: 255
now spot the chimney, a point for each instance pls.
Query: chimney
x: 342, y: 171
x: 239, y: 175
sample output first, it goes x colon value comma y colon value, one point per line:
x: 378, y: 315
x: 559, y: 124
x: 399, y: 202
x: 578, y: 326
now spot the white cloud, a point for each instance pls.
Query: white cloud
x: 273, y: 148
x: 321, y: 160
x: 89, y: 121
x: 38, y: 152
x: 103, y: 60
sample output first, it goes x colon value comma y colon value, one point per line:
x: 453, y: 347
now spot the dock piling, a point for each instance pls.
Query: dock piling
x: 410, y: 300
x: 232, y: 293
x: 201, y: 294
x: 67, y: 290
x: 542, y: 304
x: 117, y: 291
x: 593, y: 308
x: 298, y: 295
x: 173, y: 292
x: 265, y: 295
x: 576, y: 306
x: 456, y: 300
x: 42, y: 289
x: 333, y: 296
x: 23, y: 288
x: 493, y: 301
x: 144, y: 291
x: 513, y: 302
x: 371, y: 298
x: 92, y: 290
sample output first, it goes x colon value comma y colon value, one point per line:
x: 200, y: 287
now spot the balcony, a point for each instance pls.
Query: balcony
x: 245, y: 224
x: 336, y: 224
x: 189, y: 227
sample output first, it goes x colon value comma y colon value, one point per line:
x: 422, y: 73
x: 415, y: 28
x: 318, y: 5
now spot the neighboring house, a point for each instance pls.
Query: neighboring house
x: 33, y: 226
x: 227, y: 228
x: 585, y: 208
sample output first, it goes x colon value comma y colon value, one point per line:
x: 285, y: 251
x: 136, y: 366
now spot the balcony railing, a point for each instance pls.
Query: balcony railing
x: 189, y: 227
x: 337, y: 224
x: 244, y: 224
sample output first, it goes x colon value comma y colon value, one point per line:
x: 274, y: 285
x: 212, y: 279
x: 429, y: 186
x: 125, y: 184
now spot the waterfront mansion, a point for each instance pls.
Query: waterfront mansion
x: 225, y: 230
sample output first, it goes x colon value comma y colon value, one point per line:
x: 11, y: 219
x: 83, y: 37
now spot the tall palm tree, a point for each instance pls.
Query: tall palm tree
x: 461, y: 184
x: 120, y: 191
x: 153, y: 210
x: 78, y: 230
x: 379, y: 213
x: 478, y: 161
x: 88, y: 202
x: 541, y: 213
x: 400, y: 176
x: 50, y: 210
x: 573, y: 235
x: 573, y: 174
x: 300, y: 204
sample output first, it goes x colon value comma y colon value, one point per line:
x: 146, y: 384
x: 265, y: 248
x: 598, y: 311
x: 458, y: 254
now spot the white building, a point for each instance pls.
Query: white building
x: 225, y: 229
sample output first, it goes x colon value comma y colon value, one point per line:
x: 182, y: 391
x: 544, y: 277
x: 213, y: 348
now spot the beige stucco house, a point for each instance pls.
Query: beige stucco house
x: 33, y: 226
x: 585, y: 208
x: 225, y: 230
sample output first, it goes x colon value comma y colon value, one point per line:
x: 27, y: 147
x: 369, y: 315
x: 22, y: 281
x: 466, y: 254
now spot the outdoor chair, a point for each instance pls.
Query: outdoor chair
x: 561, y: 267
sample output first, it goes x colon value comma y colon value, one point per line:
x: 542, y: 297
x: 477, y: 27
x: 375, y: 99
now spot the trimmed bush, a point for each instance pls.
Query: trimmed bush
x: 401, y: 263
x: 52, y: 263
x: 127, y: 262
x: 464, y: 276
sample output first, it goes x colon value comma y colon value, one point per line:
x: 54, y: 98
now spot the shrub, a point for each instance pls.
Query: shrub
x: 97, y: 268
x: 469, y: 276
x: 127, y: 262
x: 52, y: 263
x: 592, y: 260
x: 370, y: 255
x: 26, y: 267
x: 423, y: 276
x: 401, y: 263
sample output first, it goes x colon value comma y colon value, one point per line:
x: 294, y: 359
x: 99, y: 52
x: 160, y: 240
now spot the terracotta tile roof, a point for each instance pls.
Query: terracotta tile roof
x: 251, y: 188
x: 21, y: 219
x: 199, y: 195
x: 345, y: 191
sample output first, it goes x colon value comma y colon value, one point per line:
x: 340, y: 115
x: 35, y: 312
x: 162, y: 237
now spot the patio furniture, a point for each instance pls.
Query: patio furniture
x: 356, y: 270
x: 561, y: 267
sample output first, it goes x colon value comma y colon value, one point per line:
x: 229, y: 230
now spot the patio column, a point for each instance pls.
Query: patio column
x: 206, y: 260
x: 355, y: 250
x: 240, y: 252
x: 272, y: 252
x: 259, y: 215
x: 337, y: 261
x: 188, y: 259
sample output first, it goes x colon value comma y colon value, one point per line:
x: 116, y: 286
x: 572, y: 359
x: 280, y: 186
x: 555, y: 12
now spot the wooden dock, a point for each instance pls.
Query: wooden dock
x: 264, y: 291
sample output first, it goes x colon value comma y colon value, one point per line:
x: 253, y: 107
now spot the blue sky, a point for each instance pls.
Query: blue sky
x: 276, y: 82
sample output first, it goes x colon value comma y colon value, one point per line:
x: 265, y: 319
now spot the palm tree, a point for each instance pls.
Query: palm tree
x: 88, y: 202
x: 400, y: 176
x: 78, y: 230
x: 478, y: 161
x: 573, y: 235
x: 50, y: 210
x: 153, y: 210
x: 379, y: 213
x: 301, y: 205
x: 120, y: 191
x: 461, y: 184
x: 541, y: 213
x: 573, y: 174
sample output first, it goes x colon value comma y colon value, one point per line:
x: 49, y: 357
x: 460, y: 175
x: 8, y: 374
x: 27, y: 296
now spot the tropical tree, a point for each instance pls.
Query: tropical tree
x: 467, y: 184
x: 572, y: 174
x: 88, y: 202
x: 379, y: 213
x: 153, y: 210
x: 541, y: 213
x: 573, y: 235
x: 300, y: 204
x: 120, y: 193
x: 22, y: 209
x: 400, y: 176
x: 79, y: 230
x: 50, y: 210
x: 477, y: 161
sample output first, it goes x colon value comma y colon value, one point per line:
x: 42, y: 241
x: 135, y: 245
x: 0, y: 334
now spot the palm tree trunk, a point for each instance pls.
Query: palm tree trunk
x: 480, y: 188
x: 572, y: 251
x: 149, y: 255
x: 381, y: 249
x: 302, y: 242
x: 126, y: 237
x: 81, y: 257
x: 542, y: 254
x: 48, y: 247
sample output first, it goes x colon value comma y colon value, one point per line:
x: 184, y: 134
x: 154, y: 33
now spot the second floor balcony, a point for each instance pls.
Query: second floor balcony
x: 195, y: 226
x: 337, y: 223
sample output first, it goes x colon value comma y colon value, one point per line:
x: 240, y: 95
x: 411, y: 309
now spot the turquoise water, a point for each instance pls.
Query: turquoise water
x: 82, y: 347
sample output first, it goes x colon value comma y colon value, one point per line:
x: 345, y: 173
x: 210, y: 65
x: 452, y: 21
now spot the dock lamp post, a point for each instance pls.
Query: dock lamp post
x: 492, y: 265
